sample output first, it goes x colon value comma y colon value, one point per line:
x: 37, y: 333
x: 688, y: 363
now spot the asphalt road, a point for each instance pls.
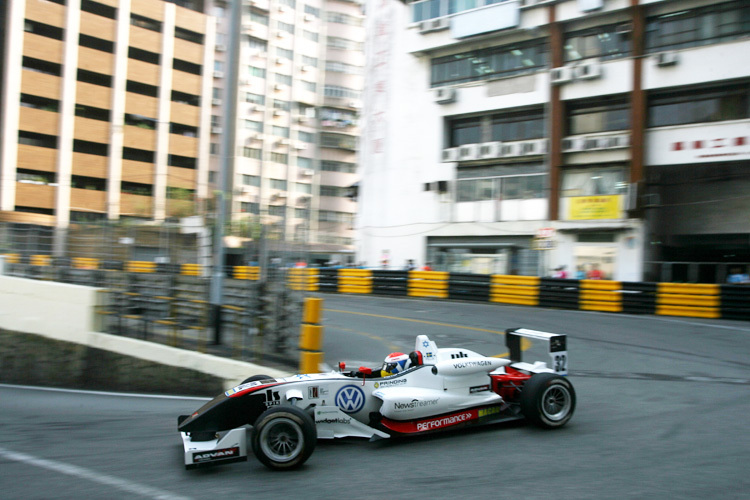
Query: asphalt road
x: 662, y: 412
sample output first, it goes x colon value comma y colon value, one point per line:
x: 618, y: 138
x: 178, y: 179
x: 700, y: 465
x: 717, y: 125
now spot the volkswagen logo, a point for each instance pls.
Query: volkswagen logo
x: 350, y: 399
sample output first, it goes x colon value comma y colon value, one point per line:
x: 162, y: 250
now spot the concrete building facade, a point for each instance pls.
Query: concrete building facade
x: 300, y: 84
x: 523, y: 135
x: 102, y: 110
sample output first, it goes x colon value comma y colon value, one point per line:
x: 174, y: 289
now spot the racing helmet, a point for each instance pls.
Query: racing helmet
x: 394, y: 363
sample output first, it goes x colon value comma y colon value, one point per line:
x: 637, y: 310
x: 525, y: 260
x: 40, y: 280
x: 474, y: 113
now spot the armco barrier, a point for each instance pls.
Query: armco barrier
x: 559, y: 293
x: 328, y: 280
x: 394, y: 283
x: 246, y: 273
x: 512, y: 289
x: 355, y: 281
x: 639, y: 298
x: 428, y: 284
x: 735, y: 301
x: 469, y: 287
x: 699, y: 301
x: 303, y: 279
x: 600, y: 295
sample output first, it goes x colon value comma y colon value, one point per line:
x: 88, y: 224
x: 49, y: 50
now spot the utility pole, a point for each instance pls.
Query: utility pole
x: 228, y: 152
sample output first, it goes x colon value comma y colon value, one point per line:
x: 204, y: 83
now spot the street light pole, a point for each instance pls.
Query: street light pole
x: 228, y: 152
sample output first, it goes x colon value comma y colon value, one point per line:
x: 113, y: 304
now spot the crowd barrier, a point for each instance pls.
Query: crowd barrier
x: 668, y: 299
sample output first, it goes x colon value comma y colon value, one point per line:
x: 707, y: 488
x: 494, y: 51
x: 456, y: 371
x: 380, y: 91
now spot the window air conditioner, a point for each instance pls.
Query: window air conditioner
x: 572, y: 144
x: 220, y: 47
x: 218, y: 74
x: 561, y: 75
x: 300, y: 145
x: 488, y: 150
x: 450, y: 154
x: 537, y: 147
x: 216, y: 102
x: 666, y: 59
x: 445, y: 95
x: 511, y: 149
x: 468, y: 152
x: 430, y: 25
x: 307, y: 172
x: 587, y: 70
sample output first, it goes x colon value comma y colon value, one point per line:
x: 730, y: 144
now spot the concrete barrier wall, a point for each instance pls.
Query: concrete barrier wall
x: 64, y: 315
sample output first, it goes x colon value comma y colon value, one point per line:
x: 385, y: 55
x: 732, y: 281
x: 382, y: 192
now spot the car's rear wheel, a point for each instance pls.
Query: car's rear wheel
x: 283, y: 437
x: 548, y: 400
x: 256, y: 378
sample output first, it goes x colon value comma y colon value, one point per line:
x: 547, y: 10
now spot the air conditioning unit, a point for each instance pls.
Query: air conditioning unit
x: 537, y: 147
x: 468, y: 152
x: 607, y: 142
x: 305, y: 68
x: 587, y: 71
x: 218, y: 74
x: 279, y: 60
x: 216, y: 102
x: 278, y: 87
x: 306, y: 172
x: 622, y: 141
x: 276, y: 112
x: 510, y: 149
x: 666, y: 59
x: 303, y: 200
x: 300, y: 145
x: 488, y: 150
x: 283, y: 142
x: 220, y: 47
x: 430, y: 25
x: 437, y: 186
x: 590, y: 143
x: 445, y: 95
x: 216, y: 129
x: 282, y: 34
x: 563, y: 74
x: 302, y: 119
x: 572, y: 144
x: 450, y: 154
x: 309, y: 18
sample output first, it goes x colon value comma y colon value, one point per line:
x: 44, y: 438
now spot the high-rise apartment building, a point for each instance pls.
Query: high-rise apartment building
x: 103, y: 115
x: 516, y: 136
x: 300, y: 82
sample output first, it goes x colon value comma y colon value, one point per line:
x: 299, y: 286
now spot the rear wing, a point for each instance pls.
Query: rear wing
x: 556, y: 347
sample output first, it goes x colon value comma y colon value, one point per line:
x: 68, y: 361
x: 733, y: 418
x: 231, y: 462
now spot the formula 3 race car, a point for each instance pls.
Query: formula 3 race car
x: 435, y: 390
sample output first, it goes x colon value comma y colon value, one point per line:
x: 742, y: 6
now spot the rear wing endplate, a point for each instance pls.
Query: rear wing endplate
x: 557, y: 346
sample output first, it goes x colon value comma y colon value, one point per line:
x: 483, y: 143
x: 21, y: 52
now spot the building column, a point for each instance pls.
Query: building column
x: 66, y: 129
x: 10, y: 102
x: 637, y: 107
x: 556, y: 118
x: 161, y: 167
x: 204, y: 127
x: 117, y: 120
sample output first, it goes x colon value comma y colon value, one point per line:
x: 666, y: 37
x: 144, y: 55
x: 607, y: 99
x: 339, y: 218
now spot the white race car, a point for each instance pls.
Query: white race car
x: 427, y: 391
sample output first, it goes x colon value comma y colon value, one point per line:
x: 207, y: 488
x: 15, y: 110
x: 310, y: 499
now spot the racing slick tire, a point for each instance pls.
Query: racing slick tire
x: 256, y: 378
x: 283, y: 437
x: 548, y: 400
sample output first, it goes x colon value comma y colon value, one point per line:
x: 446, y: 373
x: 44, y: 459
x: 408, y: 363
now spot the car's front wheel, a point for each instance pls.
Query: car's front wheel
x: 256, y: 378
x: 283, y: 437
x: 548, y: 400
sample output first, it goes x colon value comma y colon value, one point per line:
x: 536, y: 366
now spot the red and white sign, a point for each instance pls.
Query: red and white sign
x: 691, y: 144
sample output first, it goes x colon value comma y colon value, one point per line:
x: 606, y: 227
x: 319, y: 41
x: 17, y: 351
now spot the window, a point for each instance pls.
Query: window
x: 465, y: 131
x: 190, y: 36
x: 258, y: 17
x: 250, y: 207
x: 218, y: 66
x: 514, y: 187
x: 690, y: 28
x: 36, y: 102
x: 338, y: 141
x: 184, y: 130
x: 276, y: 210
x: 288, y: 3
x: 283, y: 79
x: 333, y: 191
x: 136, y: 188
x: 340, y: 67
x: 182, y: 161
x: 98, y: 9
x: 96, y: 43
x: 308, y: 86
x: 145, y: 23
x: 253, y: 153
x: 41, y: 29
x: 284, y: 53
x: 605, y: 42
x: 338, y: 166
x: 599, y: 116
x: 92, y: 112
x: 143, y: 55
x: 279, y: 158
x: 518, y: 126
x: 138, y: 155
x: 309, y: 9
x: 303, y: 188
x: 335, y: 42
x: 214, y: 148
x: 279, y: 184
x: 289, y: 28
x: 341, y: 92
x: 341, y: 18
x: 254, y: 125
x: 593, y: 181
x: 187, y: 67
x: 282, y: 105
x: 46, y: 67
x: 280, y: 131
x: 183, y: 98
x: 255, y: 98
x: 251, y: 180
x: 91, y: 148
x: 134, y: 87
x: 310, y: 61
x: 38, y: 140
x: 256, y: 44
x: 256, y: 72
x: 488, y: 63
x: 310, y: 35
x: 306, y: 136
x: 699, y: 106
x: 140, y: 121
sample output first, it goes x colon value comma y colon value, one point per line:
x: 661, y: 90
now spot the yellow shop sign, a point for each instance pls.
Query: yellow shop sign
x: 594, y: 207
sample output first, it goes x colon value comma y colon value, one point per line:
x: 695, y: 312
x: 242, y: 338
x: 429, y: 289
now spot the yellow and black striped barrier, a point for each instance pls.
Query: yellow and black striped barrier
x: 511, y: 289
x: 428, y: 284
x: 84, y: 263
x: 191, y: 270
x: 246, y: 273
x: 303, y: 279
x: 355, y: 281
x: 600, y: 295
x: 694, y: 300
x: 311, y: 337
x: 40, y: 260
x: 140, y: 266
